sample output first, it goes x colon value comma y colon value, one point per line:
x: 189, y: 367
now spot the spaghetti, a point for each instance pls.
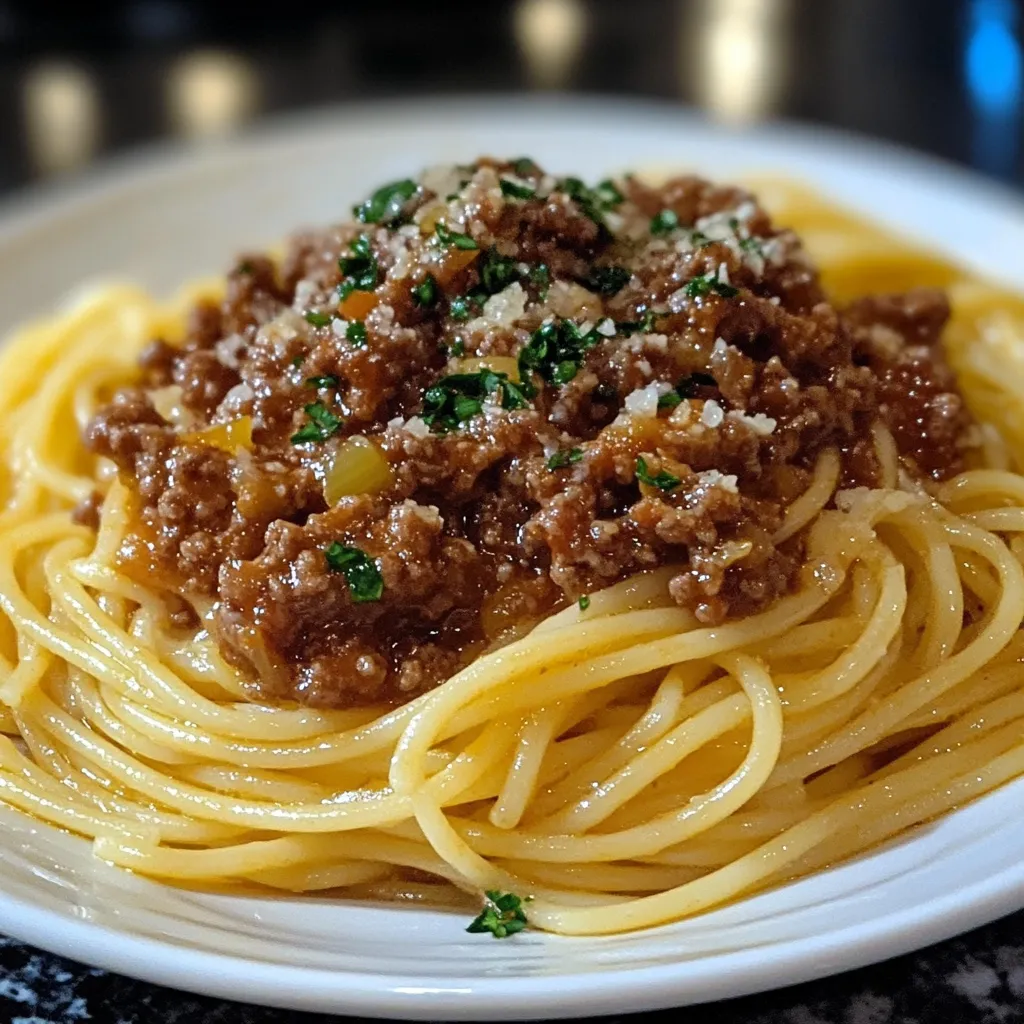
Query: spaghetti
x: 624, y: 765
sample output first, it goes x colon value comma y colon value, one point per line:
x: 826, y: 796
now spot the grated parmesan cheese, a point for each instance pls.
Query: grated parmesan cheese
x: 712, y: 415
x: 643, y: 403
x: 758, y: 423
x: 713, y: 478
x: 506, y: 307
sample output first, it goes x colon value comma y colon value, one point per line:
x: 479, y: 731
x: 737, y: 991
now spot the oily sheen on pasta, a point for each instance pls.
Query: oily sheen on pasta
x: 577, y: 542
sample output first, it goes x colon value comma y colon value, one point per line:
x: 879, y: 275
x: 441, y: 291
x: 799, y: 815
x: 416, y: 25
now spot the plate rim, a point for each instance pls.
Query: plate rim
x: 628, y: 989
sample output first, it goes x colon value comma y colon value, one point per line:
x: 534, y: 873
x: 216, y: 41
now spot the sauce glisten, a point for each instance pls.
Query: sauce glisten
x: 489, y: 394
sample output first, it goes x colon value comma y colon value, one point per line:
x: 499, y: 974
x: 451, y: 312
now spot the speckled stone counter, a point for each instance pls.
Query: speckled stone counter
x: 976, y: 978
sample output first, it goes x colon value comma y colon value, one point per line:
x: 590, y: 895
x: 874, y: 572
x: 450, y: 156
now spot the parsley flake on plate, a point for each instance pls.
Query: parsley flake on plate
x: 606, y: 281
x: 663, y: 481
x: 362, y: 575
x: 502, y: 916
x: 584, y: 603
x: 686, y: 388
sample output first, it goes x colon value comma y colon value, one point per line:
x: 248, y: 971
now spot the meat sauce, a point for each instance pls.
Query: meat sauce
x: 489, y: 394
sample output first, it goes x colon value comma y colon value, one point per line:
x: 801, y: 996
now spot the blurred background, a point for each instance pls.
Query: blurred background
x: 84, y: 80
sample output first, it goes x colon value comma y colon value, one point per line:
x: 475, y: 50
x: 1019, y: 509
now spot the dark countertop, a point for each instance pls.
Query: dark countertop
x: 944, y: 76
x: 975, y: 979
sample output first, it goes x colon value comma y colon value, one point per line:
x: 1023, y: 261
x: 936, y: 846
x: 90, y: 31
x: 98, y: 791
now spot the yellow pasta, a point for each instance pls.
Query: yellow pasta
x: 622, y: 765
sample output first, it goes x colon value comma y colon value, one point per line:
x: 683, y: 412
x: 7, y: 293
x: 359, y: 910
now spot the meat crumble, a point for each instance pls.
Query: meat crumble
x: 489, y: 394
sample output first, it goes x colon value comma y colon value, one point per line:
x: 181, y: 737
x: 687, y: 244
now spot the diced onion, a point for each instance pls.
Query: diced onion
x: 498, y: 364
x: 359, y: 467
x: 357, y: 304
x: 227, y: 436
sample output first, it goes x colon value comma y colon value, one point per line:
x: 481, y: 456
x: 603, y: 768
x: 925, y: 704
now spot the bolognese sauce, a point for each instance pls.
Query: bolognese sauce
x: 489, y: 393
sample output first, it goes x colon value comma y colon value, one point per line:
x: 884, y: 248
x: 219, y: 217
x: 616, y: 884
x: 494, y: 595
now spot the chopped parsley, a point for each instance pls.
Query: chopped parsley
x: 664, y: 222
x: 752, y: 245
x: 245, y: 267
x: 556, y: 351
x: 322, y: 424
x: 704, y: 284
x: 584, y: 603
x: 457, y: 398
x: 364, y: 580
x: 447, y: 237
x: 385, y: 205
x: 541, y: 278
x: 642, y: 326
x: 425, y: 293
x: 502, y: 916
x: 356, y: 333
x: 513, y: 190
x: 317, y: 319
x: 328, y: 380
x: 461, y: 307
x: 360, y: 269
x: 524, y: 166
x: 497, y: 272
x: 298, y: 361
x: 663, y: 481
x: 606, y: 281
x: 608, y: 193
x: 594, y: 202
x: 564, y: 457
x: 686, y: 388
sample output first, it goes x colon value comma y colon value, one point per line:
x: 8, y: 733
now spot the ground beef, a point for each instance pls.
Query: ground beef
x: 562, y: 386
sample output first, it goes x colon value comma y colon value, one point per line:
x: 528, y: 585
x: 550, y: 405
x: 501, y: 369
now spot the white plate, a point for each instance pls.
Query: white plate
x: 172, y: 216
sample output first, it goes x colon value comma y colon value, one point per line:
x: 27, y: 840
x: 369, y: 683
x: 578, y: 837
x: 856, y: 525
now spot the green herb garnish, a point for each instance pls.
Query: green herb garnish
x: 513, y: 190
x: 556, y: 351
x: 447, y: 237
x: 608, y: 193
x: 317, y: 319
x: 497, y: 272
x: 385, y: 205
x: 704, y: 284
x: 524, y: 167
x: 584, y: 603
x: 245, y: 267
x: 360, y: 269
x: 328, y: 380
x: 462, y: 307
x: 502, y: 916
x: 593, y: 202
x: 642, y: 326
x: 458, y: 397
x: 364, y: 580
x: 686, y: 388
x: 356, y: 333
x: 606, y: 281
x: 458, y: 348
x: 541, y: 278
x: 663, y: 481
x: 298, y: 361
x: 322, y: 424
x: 664, y: 222
x: 425, y: 293
x: 564, y: 457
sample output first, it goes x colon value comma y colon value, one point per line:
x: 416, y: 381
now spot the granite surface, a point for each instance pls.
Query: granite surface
x: 976, y: 978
